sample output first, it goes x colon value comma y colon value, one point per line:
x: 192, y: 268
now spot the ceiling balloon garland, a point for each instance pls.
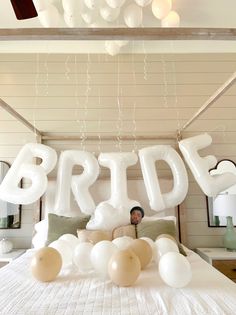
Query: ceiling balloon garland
x: 102, y: 13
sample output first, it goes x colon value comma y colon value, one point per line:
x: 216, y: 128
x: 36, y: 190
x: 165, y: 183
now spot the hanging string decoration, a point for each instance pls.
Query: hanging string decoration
x: 119, y: 122
x: 135, y: 146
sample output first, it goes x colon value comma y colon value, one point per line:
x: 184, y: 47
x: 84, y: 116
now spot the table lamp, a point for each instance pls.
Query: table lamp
x: 224, y: 205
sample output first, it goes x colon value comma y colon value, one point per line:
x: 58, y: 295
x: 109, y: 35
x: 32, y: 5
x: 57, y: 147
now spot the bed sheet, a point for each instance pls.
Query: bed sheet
x: 209, y: 293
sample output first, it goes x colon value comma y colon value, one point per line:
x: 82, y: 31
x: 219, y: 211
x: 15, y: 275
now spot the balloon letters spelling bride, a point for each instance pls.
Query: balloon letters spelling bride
x: 24, y: 167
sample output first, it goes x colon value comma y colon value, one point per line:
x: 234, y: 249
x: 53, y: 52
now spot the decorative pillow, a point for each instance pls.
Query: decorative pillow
x: 126, y: 230
x: 59, y: 225
x: 153, y: 229
x: 157, y: 217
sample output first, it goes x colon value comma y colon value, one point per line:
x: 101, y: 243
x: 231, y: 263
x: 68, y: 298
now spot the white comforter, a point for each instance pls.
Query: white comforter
x: 209, y: 293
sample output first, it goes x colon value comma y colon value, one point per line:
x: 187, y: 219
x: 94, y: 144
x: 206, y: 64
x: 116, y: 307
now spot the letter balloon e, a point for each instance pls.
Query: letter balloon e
x: 23, y: 168
x: 211, y: 185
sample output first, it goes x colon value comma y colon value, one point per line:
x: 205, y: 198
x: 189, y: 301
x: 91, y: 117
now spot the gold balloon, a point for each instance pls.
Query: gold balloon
x: 124, y: 268
x: 143, y: 250
x: 167, y: 236
x: 98, y: 236
x: 46, y: 264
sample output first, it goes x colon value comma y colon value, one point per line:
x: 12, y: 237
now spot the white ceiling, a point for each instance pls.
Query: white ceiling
x: 193, y: 13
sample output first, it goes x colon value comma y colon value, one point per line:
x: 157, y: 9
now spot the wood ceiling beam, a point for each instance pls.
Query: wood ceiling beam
x: 212, y: 99
x: 144, y: 33
x: 20, y: 118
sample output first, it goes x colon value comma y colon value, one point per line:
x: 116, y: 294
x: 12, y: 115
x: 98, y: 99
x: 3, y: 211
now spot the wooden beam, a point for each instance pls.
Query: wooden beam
x: 16, y: 115
x: 145, y: 33
x: 215, y: 96
x: 108, y: 138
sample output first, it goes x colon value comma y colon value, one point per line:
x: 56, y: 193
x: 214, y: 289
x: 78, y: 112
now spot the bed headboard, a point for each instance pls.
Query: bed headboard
x: 100, y: 191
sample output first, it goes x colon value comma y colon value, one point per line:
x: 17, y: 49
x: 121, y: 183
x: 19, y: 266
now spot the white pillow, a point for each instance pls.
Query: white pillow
x: 40, y: 238
x: 157, y: 217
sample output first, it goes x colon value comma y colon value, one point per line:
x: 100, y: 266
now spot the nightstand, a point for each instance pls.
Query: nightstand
x: 8, y: 257
x: 221, y: 259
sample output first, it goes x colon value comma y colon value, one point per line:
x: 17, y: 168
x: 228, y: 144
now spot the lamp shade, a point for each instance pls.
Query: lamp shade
x: 224, y: 205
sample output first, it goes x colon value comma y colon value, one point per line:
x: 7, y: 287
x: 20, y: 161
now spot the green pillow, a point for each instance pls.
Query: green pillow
x: 153, y: 229
x: 59, y: 225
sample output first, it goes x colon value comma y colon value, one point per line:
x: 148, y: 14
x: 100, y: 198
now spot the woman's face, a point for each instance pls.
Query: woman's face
x: 136, y: 217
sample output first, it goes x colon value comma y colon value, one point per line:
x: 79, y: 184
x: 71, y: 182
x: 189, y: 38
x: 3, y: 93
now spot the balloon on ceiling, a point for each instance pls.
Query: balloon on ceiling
x: 103, y: 13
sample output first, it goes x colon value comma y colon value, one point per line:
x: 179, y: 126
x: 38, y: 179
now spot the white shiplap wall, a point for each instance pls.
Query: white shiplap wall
x: 144, y: 94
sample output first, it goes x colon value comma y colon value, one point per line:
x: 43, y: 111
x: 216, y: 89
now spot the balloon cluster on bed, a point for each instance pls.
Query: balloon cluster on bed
x: 105, y: 13
x: 121, y: 260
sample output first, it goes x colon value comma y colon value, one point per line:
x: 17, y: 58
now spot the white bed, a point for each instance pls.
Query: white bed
x: 208, y: 293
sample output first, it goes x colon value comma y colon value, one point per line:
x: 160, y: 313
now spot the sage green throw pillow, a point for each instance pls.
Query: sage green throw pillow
x: 153, y: 229
x: 59, y: 225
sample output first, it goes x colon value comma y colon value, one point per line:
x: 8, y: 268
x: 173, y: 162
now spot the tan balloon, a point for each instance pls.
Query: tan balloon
x: 98, y: 236
x: 143, y: 250
x: 124, y: 268
x: 46, y: 264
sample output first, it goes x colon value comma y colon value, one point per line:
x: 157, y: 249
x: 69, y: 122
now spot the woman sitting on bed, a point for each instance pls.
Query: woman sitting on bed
x: 136, y: 215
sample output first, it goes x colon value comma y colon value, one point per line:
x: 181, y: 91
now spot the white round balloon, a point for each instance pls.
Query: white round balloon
x: 49, y: 17
x: 82, y: 256
x: 165, y: 245
x: 89, y: 16
x: 71, y: 239
x: 100, y: 256
x: 121, y: 43
x: 133, y: 15
x: 40, y: 5
x: 143, y: 3
x: 115, y: 3
x: 175, y: 270
x: 112, y: 48
x: 122, y: 242
x: 65, y: 250
x: 70, y: 6
x: 70, y: 20
x: 91, y: 4
x: 109, y: 14
x: 160, y: 8
x: 171, y: 20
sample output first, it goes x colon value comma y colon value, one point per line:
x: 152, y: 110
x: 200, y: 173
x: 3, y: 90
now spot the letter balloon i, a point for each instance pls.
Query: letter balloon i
x: 23, y: 167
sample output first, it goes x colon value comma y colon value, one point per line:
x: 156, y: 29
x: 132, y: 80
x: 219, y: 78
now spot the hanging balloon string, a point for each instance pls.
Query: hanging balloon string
x: 87, y: 92
x: 119, y: 118
x: 46, y: 75
x: 67, y: 68
x: 77, y: 103
x: 36, y: 89
x: 99, y: 114
x: 145, y: 73
x: 134, y: 129
x: 165, y: 90
x: 175, y: 88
